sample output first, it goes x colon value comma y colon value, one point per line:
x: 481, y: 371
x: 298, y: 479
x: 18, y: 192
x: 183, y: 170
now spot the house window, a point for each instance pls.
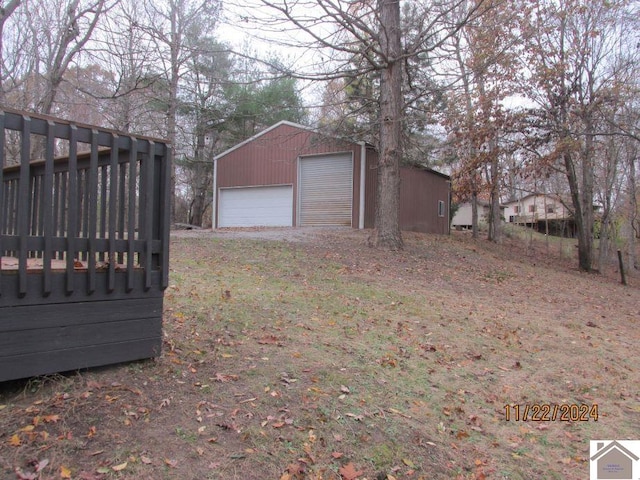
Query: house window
x: 516, y: 209
x: 551, y: 208
x: 440, y: 208
x: 532, y: 208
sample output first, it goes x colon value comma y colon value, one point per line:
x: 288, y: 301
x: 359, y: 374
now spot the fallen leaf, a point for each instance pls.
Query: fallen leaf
x: 408, y: 463
x: 171, y: 463
x: 349, y: 472
x: 146, y: 460
x: 118, y: 468
x: 269, y: 340
x: 337, y: 454
x: 65, y: 472
x: 14, y: 441
x: 42, y: 464
x: 222, y: 378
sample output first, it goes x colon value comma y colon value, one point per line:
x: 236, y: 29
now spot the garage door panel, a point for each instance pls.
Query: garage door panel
x: 326, y: 190
x: 269, y: 206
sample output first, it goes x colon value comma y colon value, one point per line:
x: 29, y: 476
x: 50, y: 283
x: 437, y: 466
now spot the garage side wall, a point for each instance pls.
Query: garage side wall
x: 421, y: 192
x: 272, y: 159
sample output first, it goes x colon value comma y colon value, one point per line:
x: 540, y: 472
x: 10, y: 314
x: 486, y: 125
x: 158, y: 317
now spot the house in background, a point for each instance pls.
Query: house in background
x: 544, y: 213
x: 462, y: 219
x: 291, y: 175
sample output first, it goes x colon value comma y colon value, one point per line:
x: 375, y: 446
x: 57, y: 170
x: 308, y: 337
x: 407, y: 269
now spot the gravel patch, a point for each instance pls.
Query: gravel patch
x: 287, y: 234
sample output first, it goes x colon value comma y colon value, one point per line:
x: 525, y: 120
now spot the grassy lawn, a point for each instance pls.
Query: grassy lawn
x: 326, y: 359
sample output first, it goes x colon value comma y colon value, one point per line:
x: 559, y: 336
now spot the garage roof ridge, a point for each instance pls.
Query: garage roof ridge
x: 263, y: 132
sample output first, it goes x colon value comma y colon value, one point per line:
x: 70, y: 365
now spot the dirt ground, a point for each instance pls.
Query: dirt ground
x: 302, y: 353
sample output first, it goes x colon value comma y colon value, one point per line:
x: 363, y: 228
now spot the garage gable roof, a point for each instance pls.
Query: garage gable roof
x: 263, y: 132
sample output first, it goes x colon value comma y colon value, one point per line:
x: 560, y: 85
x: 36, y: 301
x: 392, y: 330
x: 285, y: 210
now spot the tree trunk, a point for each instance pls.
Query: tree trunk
x: 474, y: 213
x: 583, y: 227
x: 388, y: 234
x: 495, y: 227
x: 633, y: 212
x: 202, y: 177
x: 172, y: 107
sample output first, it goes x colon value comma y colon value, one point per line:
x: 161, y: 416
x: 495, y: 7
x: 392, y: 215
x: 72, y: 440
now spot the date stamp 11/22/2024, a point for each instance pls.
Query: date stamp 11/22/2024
x: 548, y: 412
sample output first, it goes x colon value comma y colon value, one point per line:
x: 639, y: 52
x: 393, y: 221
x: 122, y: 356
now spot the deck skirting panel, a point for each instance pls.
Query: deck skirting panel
x: 42, y: 339
x: 32, y: 364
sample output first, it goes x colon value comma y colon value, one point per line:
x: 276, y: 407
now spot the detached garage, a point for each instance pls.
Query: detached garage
x: 291, y: 175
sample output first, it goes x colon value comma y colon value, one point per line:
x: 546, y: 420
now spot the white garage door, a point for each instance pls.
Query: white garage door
x: 256, y: 206
x: 326, y: 190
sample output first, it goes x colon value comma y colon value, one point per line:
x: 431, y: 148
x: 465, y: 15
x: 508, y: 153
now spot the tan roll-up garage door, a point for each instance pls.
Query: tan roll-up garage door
x: 325, y: 190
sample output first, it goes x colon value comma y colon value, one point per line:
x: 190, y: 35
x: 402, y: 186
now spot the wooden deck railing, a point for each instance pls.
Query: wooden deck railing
x: 100, y: 206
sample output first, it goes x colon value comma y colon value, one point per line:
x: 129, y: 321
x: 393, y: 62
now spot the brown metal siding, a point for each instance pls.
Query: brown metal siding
x: 420, y: 191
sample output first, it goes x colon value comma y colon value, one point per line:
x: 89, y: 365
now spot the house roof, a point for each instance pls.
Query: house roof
x: 617, y: 446
x: 481, y: 202
x: 511, y: 202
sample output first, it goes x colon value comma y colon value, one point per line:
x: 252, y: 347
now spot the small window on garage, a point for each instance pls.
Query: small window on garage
x: 440, y: 208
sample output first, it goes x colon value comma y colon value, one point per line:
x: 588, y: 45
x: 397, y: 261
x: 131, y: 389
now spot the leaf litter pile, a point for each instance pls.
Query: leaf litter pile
x: 325, y: 359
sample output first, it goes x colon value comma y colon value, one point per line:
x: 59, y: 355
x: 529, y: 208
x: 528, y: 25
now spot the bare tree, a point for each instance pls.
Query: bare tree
x: 570, y: 63
x: 124, y: 48
x: 5, y: 12
x: 170, y: 25
x: 202, y: 113
x: 61, y: 31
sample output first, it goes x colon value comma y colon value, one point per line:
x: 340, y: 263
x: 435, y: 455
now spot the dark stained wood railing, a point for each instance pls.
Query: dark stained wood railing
x: 91, y: 201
